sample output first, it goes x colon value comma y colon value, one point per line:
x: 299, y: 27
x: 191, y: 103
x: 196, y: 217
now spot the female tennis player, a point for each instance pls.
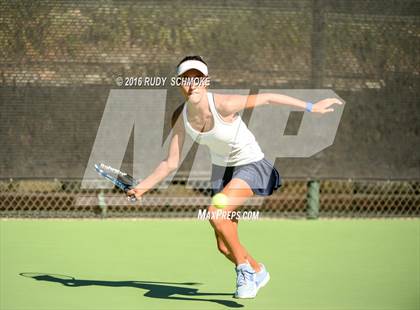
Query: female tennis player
x: 239, y: 169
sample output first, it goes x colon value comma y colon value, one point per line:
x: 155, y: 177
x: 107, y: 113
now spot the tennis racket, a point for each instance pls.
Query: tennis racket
x: 120, y: 179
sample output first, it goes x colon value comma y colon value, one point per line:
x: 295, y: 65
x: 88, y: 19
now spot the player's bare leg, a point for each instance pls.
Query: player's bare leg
x: 225, y: 251
x: 237, y: 192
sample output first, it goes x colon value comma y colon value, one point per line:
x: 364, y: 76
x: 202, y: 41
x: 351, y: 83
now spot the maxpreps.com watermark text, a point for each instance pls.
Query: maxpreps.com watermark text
x: 204, y: 214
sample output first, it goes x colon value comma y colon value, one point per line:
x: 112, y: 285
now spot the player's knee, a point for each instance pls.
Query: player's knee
x: 218, y: 224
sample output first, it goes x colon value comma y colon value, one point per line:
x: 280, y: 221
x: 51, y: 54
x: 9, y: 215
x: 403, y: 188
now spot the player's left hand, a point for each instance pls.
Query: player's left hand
x: 134, y: 192
x: 324, y: 106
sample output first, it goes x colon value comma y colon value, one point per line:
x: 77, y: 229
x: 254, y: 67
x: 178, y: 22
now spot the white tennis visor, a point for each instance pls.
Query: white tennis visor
x: 192, y: 64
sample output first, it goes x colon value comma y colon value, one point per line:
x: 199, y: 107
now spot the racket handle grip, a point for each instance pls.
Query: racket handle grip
x: 132, y: 198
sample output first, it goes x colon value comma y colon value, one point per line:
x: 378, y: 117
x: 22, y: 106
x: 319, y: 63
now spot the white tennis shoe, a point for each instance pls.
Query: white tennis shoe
x: 262, y: 277
x: 245, y: 281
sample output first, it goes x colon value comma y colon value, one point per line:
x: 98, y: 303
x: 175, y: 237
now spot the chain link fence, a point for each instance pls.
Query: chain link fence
x: 337, y: 198
x: 59, y: 60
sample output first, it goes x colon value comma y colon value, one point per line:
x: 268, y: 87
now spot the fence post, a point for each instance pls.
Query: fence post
x: 317, y: 72
x: 313, y: 199
x: 102, y: 203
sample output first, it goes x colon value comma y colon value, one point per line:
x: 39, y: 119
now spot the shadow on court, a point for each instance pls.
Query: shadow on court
x: 163, y: 290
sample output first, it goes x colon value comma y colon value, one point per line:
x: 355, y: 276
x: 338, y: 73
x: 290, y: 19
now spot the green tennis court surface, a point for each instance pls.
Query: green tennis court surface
x: 169, y: 264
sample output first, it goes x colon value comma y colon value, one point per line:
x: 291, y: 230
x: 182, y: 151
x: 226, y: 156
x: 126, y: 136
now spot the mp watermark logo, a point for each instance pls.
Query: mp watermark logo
x: 142, y: 112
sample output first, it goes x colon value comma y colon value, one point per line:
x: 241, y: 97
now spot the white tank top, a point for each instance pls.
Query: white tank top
x: 230, y: 144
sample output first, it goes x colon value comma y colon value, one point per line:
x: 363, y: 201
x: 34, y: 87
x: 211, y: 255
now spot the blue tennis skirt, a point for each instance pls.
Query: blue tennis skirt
x: 261, y: 176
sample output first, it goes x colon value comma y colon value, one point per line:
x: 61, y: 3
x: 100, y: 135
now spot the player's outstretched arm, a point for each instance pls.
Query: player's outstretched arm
x: 229, y: 104
x: 166, y: 167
